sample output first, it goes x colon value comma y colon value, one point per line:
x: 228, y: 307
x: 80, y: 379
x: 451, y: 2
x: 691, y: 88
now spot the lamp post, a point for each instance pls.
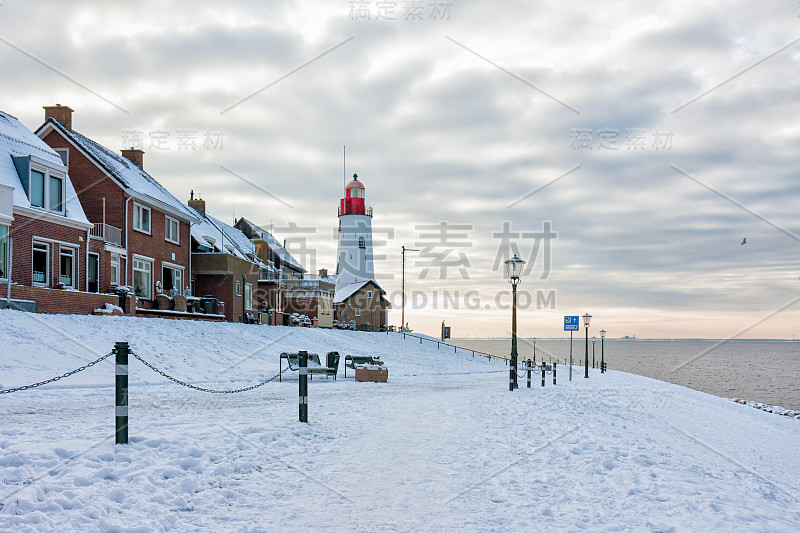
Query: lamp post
x: 586, y: 319
x: 534, y: 350
x: 513, y: 270
x: 602, y: 351
x: 594, y: 339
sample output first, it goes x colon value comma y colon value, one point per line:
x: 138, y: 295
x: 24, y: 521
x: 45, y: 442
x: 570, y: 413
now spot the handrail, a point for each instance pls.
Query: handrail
x: 482, y: 354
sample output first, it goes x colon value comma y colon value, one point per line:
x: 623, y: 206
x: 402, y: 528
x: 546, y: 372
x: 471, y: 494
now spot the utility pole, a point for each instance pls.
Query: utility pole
x: 403, y: 284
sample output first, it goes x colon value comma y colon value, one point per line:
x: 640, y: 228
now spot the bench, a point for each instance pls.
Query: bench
x: 353, y: 360
x: 314, y: 364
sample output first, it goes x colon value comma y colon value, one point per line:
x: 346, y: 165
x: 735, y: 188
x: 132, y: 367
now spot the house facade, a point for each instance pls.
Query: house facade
x: 140, y: 233
x: 225, y: 266
x: 44, y: 232
x: 361, y: 305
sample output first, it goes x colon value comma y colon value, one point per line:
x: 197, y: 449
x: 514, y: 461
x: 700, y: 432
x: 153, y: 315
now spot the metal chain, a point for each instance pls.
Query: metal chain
x: 179, y: 382
x: 62, y: 376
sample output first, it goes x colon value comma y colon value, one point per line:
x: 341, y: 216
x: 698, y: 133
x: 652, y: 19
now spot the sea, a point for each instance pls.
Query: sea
x: 766, y: 371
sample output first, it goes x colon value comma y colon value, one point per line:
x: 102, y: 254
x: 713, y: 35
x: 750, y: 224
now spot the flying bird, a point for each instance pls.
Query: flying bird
x: 744, y: 241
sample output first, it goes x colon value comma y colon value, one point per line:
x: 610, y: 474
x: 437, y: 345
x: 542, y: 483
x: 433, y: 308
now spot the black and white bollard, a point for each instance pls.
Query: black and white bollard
x: 554, y: 372
x: 121, y: 375
x: 303, y: 358
x: 544, y: 371
x: 529, y: 373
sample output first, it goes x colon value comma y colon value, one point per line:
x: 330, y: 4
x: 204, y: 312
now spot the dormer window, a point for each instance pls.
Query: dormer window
x: 43, y: 184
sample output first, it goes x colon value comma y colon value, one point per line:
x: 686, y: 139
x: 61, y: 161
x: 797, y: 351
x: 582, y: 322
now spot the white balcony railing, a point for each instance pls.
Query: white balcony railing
x: 108, y: 233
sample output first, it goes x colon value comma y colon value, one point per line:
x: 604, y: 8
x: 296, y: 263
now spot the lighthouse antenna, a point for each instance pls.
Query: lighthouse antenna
x: 344, y: 167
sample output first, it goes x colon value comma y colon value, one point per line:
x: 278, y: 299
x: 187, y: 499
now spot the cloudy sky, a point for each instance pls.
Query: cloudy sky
x: 651, y: 137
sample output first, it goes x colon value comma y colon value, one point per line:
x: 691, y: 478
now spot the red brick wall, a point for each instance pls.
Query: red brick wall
x: 92, y: 185
x: 24, y: 229
x: 58, y: 301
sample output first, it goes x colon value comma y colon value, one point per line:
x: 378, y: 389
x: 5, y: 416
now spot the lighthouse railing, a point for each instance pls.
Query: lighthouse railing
x: 354, y: 210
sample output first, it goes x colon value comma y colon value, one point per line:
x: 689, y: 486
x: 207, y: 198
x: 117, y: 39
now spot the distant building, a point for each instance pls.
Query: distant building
x: 362, y: 305
x: 226, y: 267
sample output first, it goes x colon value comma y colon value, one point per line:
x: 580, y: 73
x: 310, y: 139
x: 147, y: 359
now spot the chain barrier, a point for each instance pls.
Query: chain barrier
x: 195, y: 387
x: 62, y: 376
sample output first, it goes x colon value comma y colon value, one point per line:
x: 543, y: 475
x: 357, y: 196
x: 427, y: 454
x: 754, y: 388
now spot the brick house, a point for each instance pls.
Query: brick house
x: 225, y: 266
x: 140, y: 234
x: 363, y: 305
x: 286, y: 271
x: 44, y: 232
x: 312, y: 296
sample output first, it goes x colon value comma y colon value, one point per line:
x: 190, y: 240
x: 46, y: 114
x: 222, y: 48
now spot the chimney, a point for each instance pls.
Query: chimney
x: 135, y: 155
x: 199, y: 205
x: 60, y: 113
x: 323, y: 272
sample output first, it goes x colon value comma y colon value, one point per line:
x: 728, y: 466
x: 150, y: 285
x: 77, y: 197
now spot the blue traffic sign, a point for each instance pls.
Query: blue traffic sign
x: 571, y: 323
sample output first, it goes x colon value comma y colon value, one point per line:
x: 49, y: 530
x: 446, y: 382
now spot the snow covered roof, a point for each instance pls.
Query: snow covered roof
x: 18, y: 141
x: 350, y: 289
x: 273, y: 243
x: 125, y: 171
x: 223, y: 238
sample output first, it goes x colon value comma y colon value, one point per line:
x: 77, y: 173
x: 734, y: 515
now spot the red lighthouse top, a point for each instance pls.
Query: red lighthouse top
x: 353, y: 201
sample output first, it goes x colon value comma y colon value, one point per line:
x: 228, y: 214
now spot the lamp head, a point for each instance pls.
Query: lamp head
x: 586, y: 319
x: 602, y: 334
x: 514, y: 268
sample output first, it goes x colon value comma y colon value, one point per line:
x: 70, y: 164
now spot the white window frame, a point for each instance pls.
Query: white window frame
x: 5, y: 261
x: 175, y: 268
x: 97, y: 255
x: 248, y: 296
x: 47, y: 248
x: 168, y: 222
x: 115, y: 269
x: 48, y: 174
x: 142, y: 208
x: 357, y: 311
x: 144, y: 261
x: 238, y: 287
x: 369, y: 294
x: 64, y: 154
x: 68, y: 251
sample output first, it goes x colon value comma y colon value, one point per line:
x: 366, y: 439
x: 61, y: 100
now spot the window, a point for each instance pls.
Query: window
x: 172, y: 279
x: 47, y: 186
x: 37, y: 188
x: 248, y: 296
x: 238, y: 288
x: 67, y: 264
x: 369, y: 294
x: 362, y: 243
x: 93, y: 273
x: 142, y: 278
x: 41, y: 259
x: 115, y: 269
x: 64, y: 153
x: 141, y: 218
x: 56, y: 193
x: 358, y: 311
x: 171, y: 230
x: 4, y: 259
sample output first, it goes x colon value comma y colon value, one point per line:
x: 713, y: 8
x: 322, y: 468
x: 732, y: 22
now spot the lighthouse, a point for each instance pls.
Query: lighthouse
x: 354, y: 257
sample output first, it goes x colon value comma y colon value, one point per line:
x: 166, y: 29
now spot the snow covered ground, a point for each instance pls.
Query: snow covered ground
x: 442, y: 446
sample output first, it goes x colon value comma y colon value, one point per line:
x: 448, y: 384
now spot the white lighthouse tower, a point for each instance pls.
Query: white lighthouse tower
x: 354, y: 258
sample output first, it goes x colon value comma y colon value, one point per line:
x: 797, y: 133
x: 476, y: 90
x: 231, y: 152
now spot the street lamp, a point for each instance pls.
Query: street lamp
x: 403, y: 251
x: 594, y: 339
x: 534, y: 350
x: 602, y: 351
x: 586, y: 319
x: 513, y: 270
